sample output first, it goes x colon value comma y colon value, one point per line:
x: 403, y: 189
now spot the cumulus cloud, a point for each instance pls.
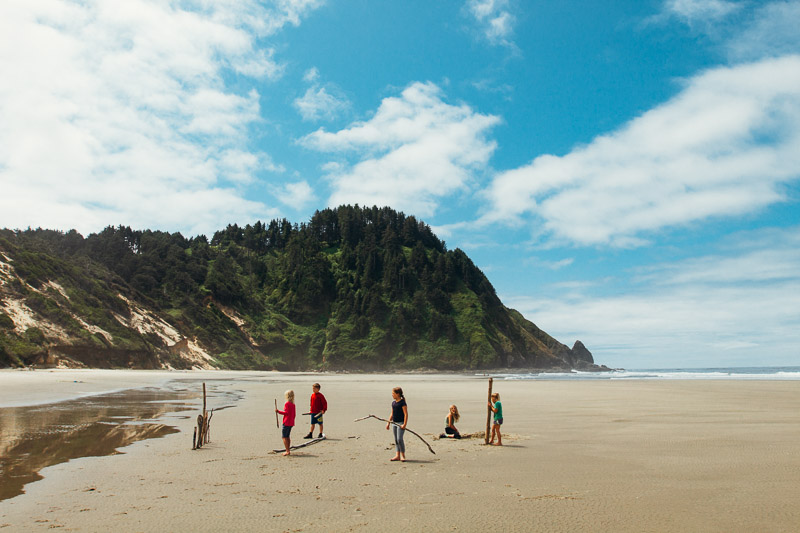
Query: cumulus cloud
x: 734, y: 306
x: 494, y: 18
x: 317, y: 103
x: 725, y: 146
x: 743, y: 31
x: 770, y: 31
x: 296, y: 195
x: 415, y: 150
x: 700, y: 11
x: 320, y: 102
x: 120, y: 112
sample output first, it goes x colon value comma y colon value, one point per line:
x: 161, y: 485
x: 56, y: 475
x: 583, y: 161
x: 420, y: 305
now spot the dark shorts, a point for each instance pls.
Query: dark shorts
x: 316, y: 419
x: 286, y: 431
x: 450, y: 431
x: 498, y: 421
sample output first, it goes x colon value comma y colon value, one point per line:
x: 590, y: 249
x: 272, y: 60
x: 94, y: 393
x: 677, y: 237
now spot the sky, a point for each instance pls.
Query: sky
x: 626, y: 173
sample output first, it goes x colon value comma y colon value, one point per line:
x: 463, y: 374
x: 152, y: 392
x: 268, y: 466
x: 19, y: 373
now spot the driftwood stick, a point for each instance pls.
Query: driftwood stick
x: 488, y: 413
x: 207, y: 432
x: 194, y: 439
x: 200, y: 427
x: 398, y: 425
x: 276, y: 415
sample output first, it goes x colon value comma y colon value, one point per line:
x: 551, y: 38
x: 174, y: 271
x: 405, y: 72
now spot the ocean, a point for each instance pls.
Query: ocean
x: 780, y: 373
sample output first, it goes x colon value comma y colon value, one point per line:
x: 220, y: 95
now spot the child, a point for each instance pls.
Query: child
x: 399, y: 416
x: 288, y: 420
x: 497, y: 409
x: 318, y: 408
x: 450, y: 429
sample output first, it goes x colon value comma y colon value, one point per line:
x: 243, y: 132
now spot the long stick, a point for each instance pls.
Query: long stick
x: 276, y: 415
x: 303, y: 445
x: 398, y: 425
x: 488, y: 413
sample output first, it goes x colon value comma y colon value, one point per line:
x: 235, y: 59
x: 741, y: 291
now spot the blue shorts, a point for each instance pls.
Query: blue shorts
x: 316, y: 419
x: 498, y: 421
x: 286, y: 431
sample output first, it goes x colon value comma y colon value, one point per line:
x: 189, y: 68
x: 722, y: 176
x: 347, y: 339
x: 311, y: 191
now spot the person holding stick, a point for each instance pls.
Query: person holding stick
x: 318, y: 407
x: 288, y: 413
x: 497, y: 409
x: 398, y: 420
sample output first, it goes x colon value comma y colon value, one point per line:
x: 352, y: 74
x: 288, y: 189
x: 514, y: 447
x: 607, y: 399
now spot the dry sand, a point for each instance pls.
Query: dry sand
x: 578, y: 456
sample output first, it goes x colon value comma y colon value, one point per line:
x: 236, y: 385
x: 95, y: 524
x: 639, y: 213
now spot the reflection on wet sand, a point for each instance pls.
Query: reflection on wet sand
x: 32, y: 438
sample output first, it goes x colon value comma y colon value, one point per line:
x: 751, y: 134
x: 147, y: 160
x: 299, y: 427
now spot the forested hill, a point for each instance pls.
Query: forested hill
x: 354, y: 288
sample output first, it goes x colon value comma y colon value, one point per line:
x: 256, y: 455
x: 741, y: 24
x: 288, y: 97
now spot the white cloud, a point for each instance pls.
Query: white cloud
x: 700, y: 11
x: 738, y: 306
x: 311, y: 75
x: 770, y: 31
x: 745, y: 31
x: 119, y: 112
x: 296, y: 195
x: 320, y: 101
x: 724, y: 146
x: 317, y: 103
x: 415, y: 150
x: 494, y: 18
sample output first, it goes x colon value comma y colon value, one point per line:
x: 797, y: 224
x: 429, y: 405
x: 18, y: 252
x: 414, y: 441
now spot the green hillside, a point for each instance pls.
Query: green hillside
x: 354, y: 288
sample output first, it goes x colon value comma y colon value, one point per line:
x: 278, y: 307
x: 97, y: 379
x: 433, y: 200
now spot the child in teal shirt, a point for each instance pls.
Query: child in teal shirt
x: 497, y: 409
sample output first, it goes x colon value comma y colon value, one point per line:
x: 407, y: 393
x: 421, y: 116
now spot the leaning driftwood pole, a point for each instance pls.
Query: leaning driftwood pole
x: 488, y: 414
x: 276, y: 415
x: 398, y: 425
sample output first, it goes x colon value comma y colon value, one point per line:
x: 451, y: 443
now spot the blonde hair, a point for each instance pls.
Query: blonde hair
x: 289, y: 395
x: 456, y: 416
x: 495, y: 395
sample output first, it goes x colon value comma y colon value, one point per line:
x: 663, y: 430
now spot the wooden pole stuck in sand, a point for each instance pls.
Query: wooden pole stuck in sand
x: 200, y: 426
x: 207, y: 431
x: 488, y: 414
x: 276, y: 415
x: 203, y: 429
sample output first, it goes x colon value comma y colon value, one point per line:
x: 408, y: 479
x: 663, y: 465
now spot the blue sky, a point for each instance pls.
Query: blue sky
x: 626, y: 173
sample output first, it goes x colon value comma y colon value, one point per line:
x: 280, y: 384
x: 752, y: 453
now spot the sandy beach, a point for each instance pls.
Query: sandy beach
x: 578, y: 456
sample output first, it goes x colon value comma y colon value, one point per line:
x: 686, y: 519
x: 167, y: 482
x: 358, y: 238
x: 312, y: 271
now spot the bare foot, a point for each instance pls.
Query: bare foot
x: 498, y: 444
x: 394, y: 459
x: 287, y: 453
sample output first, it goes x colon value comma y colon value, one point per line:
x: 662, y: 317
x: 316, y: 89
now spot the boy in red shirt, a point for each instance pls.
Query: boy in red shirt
x: 318, y: 408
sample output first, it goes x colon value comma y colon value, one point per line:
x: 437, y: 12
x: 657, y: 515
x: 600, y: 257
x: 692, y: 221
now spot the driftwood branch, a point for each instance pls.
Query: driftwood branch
x: 202, y: 432
x: 488, y: 414
x: 398, y: 425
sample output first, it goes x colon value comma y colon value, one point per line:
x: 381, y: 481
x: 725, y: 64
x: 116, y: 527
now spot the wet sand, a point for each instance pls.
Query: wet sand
x: 588, y: 455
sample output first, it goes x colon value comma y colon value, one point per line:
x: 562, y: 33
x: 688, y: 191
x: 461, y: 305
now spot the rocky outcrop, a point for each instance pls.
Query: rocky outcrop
x: 580, y: 354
